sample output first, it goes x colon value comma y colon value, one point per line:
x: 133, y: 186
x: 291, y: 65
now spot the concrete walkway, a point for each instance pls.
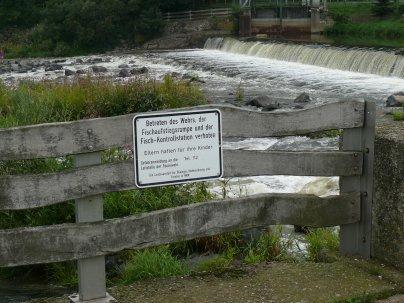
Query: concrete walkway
x: 270, y: 282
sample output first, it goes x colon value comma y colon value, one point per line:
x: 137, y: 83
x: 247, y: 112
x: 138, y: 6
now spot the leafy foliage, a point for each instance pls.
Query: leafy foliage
x: 68, y: 27
x: 382, y: 8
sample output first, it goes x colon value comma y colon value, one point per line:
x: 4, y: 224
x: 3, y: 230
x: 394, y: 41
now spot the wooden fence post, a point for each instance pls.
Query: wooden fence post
x: 355, y: 238
x: 91, y: 271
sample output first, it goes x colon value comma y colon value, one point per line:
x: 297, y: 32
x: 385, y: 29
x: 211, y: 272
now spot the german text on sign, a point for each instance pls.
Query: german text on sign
x: 177, y: 147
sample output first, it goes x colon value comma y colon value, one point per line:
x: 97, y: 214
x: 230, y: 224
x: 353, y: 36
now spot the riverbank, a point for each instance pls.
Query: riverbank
x: 355, y: 24
x: 346, y: 280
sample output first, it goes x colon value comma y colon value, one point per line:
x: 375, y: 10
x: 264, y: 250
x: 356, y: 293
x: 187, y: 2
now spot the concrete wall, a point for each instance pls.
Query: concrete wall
x: 295, y: 20
x: 388, y: 204
x: 273, y: 25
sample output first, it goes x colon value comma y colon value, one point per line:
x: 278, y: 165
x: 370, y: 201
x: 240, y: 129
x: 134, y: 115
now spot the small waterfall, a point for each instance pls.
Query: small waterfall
x: 350, y: 59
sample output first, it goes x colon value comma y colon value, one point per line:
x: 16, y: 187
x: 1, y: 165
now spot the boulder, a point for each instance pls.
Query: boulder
x: 192, y: 78
x: 94, y: 60
x: 395, y: 100
x: 175, y: 75
x: 124, y: 73
x: 80, y: 71
x: 139, y: 71
x: 400, y: 52
x: 79, y: 61
x: 98, y: 69
x: 265, y: 102
x: 302, y: 98
x: 53, y: 67
x: 69, y: 72
x: 123, y: 66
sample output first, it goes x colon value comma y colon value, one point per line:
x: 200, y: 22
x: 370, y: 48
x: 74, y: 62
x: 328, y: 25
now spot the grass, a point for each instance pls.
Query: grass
x: 323, y: 244
x: 216, y: 265
x: 398, y: 115
x: 34, y: 103
x: 152, y: 263
x: 355, y: 24
x: 382, y: 29
x: 349, y: 11
x: 268, y: 247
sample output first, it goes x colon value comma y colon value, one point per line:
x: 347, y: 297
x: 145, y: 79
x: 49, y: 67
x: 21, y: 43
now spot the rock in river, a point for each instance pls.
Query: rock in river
x: 53, y: 67
x: 266, y: 102
x: 395, y: 100
x: 139, y: 71
x: 124, y: 73
x: 98, y: 69
x: 302, y: 98
x: 69, y: 72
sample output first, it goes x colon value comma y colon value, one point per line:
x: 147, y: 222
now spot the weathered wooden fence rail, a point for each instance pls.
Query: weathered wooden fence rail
x: 91, y: 237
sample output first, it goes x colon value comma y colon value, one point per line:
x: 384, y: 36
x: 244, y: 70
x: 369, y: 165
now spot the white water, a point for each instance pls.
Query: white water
x: 349, y: 59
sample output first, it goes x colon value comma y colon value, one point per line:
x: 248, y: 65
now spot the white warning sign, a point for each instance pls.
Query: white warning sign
x: 177, y: 147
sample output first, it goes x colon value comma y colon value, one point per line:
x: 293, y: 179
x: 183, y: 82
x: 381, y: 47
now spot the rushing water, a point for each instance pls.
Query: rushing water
x: 350, y: 59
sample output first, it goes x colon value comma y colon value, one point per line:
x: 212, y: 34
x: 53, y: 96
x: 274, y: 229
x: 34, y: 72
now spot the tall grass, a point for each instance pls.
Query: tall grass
x: 322, y: 245
x: 34, y: 103
x: 269, y: 247
x: 152, y: 263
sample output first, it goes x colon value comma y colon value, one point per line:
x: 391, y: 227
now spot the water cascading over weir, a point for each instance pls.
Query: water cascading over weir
x: 367, y: 61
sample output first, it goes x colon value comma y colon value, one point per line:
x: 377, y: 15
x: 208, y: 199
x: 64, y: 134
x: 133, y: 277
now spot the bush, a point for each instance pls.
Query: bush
x: 382, y: 8
x: 71, y: 27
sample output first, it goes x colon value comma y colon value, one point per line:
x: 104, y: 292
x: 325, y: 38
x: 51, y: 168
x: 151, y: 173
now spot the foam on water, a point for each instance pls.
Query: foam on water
x: 351, y: 59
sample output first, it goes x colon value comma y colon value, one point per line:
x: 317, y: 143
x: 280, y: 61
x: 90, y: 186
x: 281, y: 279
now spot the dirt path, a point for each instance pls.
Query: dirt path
x: 274, y: 282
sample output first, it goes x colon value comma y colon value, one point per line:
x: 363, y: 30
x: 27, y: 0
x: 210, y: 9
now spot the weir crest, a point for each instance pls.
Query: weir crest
x: 367, y: 61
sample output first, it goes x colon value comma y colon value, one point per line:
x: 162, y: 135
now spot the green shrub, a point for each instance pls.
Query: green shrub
x: 382, y: 8
x: 322, y: 245
x: 152, y: 263
x: 214, y: 22
x: 67, y: 27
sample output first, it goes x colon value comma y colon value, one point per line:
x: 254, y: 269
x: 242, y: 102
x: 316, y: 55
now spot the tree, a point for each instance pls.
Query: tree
x: 382, y: 8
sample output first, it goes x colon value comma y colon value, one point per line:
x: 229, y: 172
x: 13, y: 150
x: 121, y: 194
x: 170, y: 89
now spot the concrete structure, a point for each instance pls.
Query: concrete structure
x: 287, y: 19
x: 388, y: 204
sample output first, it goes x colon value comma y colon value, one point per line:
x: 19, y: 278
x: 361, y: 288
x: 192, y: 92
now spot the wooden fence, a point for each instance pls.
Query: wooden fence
x: 198, y: 14
x: 91, y: 237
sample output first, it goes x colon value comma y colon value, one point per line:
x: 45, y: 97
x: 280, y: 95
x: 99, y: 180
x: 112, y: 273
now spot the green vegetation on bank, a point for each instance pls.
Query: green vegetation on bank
x: 367, y: 24
x: 71, y: 27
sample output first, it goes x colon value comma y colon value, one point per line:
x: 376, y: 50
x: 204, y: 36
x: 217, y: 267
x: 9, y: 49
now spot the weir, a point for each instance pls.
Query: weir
x: 366, y: 61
